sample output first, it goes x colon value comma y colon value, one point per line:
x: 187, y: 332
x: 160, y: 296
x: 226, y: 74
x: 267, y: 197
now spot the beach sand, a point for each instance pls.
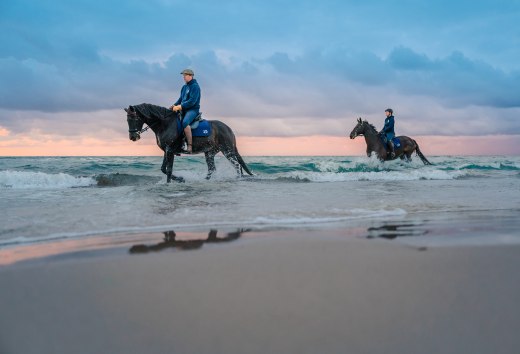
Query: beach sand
x: 285, y: 291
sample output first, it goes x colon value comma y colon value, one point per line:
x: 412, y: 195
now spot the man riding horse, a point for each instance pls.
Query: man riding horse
x: 188, y: 104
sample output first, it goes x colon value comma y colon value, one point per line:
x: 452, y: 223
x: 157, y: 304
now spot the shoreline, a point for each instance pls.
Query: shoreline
x: 305, y: 291
x: 416, y: 230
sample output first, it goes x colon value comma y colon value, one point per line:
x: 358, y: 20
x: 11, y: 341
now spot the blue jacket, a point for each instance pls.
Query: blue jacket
x: 190, y: 96
x: 388, y: 129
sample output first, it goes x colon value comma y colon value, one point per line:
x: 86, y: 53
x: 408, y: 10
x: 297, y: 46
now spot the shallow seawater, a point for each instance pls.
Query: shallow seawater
x: 59, y: 198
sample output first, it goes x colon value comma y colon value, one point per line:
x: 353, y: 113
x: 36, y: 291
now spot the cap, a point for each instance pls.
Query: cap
x: 389, y: 110
x: 187, y: 72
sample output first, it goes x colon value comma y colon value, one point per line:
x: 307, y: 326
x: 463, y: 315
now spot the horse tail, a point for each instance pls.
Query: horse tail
x: 420, y: 154
x: 242, y: 163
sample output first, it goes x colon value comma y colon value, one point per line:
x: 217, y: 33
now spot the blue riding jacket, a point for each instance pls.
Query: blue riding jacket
x: 388, y: 129
x: 190, y: 96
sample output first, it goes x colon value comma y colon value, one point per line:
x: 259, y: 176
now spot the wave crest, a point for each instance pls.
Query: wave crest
x: 123, y: 179
x: 40, y: 180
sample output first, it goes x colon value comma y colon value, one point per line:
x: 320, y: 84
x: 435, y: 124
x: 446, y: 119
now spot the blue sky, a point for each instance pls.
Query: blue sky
x: 272, y: 68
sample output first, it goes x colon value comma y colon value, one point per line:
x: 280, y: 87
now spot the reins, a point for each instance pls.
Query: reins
x: 144, y: 129
x: 134, y: 114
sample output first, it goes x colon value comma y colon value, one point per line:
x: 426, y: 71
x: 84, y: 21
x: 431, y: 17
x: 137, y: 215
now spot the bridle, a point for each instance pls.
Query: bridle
x: 357, y: 128
x: 135, y: 116
x: 147, y: 126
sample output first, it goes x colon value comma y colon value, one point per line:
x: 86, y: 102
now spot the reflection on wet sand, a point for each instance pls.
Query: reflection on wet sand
x: 170, y: 241
x: 393, y: 230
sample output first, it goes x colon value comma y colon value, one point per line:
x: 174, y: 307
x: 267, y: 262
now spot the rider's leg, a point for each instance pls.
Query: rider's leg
x: 391, y: 146
x: 189, y: 139
x: 189, y: 117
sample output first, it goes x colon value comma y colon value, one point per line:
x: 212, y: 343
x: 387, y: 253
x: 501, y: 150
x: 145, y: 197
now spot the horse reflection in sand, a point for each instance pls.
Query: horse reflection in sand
x: 170, y: 241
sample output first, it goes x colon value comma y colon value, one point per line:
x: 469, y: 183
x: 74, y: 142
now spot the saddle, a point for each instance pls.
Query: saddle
x: 395, y: 140
x: 199, y: 127
x: 196, y: 121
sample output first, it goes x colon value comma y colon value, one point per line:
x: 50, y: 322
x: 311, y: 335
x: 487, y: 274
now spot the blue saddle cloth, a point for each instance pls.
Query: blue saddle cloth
x: 395, y: 140
x: 199, y: 128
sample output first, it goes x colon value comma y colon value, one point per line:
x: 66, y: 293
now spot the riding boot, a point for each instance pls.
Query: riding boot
x: 189, y: 139
x: 391, y: 146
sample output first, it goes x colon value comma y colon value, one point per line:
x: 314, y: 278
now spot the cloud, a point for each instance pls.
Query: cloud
x: 455, y: 79
x: 320, y: 83
x: 260, y: 68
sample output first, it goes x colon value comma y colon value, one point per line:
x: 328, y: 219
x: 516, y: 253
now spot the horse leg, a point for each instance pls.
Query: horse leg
x: 170, y: 157
x: 210, y: 161
x: 230, y: 155
x: 163, y: 166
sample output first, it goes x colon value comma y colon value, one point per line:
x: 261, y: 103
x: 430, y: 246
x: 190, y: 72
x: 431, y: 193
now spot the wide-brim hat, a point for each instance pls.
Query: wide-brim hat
x: 187, y: 72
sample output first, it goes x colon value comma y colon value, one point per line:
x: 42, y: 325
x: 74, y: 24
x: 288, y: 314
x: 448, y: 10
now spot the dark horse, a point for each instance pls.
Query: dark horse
x: 164, y: 124
x: 376, y: 144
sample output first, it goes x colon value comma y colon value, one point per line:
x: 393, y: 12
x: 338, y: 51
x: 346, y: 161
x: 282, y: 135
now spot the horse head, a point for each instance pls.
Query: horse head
x: 359, y: 129
x: 135, y: 124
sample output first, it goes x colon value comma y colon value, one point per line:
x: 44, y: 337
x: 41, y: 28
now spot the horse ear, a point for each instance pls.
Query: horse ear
x: 126, y: 110
x: 359, y: 120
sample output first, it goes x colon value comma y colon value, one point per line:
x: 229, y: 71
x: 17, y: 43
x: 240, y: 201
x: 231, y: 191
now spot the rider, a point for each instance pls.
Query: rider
x: 388, y: 130
x: 188, y: 104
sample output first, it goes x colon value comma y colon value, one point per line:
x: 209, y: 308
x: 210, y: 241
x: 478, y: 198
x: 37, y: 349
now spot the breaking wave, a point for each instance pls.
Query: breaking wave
x: 41, y: 180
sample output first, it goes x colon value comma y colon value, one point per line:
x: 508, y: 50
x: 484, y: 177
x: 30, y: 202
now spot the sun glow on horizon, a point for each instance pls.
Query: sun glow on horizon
x: 257, y: 146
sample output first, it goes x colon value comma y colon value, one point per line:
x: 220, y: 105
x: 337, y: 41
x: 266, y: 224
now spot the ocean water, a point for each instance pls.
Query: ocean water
x: 458, y: 200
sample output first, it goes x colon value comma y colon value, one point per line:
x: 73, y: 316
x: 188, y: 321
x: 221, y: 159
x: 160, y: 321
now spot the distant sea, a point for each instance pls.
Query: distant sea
x: 56, y: 198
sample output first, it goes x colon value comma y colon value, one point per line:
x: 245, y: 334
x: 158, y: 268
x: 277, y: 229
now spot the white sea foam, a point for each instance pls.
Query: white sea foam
x: 334, y: 217
x: 136, y: 202
x: 40, y: 180
x: 409, y: 175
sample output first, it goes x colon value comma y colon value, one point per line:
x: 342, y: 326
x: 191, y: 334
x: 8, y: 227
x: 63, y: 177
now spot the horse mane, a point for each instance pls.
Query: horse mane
x: 153, y: 112
x: 370, y: 125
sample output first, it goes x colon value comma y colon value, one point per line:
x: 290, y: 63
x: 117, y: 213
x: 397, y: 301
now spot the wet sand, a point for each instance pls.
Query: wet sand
x: 293, y: 291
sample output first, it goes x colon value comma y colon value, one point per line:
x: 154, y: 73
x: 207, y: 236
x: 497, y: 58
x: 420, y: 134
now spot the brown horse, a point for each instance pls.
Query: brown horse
x: 165, y: 125
x: 375, y: 143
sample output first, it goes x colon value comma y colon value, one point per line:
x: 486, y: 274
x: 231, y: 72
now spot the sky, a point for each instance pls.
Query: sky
x: 289, y: 77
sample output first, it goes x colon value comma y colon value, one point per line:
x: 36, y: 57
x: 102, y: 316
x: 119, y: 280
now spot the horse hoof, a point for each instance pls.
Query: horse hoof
x: 176, y: 179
